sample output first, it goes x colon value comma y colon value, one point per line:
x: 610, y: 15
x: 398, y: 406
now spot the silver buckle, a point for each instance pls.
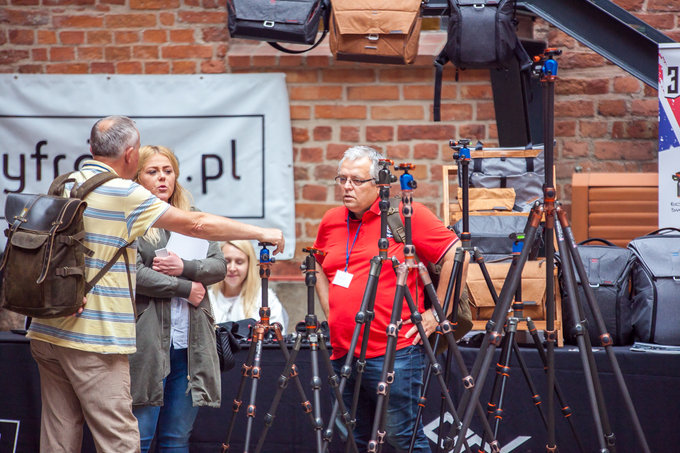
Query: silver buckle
x: 268, y: 23
x: 373, y: 37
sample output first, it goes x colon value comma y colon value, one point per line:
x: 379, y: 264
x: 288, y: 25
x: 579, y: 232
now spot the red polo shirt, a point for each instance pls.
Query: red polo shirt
x: 431, y: 239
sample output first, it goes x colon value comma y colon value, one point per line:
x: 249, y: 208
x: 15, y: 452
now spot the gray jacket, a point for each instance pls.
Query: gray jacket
x: 151, y: 363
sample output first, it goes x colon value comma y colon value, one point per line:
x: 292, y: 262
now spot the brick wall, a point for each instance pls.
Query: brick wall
x: 606, y: 120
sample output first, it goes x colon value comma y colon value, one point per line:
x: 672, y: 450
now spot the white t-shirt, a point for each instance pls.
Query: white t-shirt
x: 231, y: 308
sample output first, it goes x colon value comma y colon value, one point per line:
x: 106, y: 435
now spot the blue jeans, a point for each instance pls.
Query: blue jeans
x: 403, y: 399
x: 175, y: 418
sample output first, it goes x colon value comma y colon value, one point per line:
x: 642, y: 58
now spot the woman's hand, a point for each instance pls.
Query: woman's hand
x: 197, y: 294
x: 168, y: 265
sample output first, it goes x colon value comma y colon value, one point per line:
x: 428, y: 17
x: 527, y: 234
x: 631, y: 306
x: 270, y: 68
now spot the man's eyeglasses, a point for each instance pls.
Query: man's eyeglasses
x: 342, y: 180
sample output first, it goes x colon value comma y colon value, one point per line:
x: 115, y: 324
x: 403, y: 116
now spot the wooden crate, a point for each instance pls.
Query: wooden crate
x: 615, y: 206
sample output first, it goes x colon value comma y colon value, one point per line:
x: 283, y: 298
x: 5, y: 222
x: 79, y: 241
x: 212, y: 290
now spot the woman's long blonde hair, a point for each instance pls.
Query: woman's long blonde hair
x: 181, y: 198
x: 251, y: 286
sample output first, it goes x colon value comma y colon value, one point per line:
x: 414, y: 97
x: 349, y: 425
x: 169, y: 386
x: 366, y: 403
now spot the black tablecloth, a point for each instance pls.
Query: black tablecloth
x: 652, y: 379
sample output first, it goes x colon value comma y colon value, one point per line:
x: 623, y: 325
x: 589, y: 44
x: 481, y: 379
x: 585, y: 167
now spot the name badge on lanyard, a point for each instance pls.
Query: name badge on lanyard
x: 343, y: 279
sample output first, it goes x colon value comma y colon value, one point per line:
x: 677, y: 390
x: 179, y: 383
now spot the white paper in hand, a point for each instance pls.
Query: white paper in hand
x: 186, y: 247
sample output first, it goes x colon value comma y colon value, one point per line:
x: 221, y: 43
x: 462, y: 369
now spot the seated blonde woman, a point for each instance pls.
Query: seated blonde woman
x: 239, y: 295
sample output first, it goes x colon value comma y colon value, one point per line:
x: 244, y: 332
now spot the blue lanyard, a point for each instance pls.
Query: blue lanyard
x: 348, y: 250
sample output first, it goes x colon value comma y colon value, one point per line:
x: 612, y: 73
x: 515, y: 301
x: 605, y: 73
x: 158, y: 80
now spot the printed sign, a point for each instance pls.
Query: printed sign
x: 669, y: 135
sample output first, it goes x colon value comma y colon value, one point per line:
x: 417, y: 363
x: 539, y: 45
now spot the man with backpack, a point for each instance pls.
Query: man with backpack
x: 82, y: 359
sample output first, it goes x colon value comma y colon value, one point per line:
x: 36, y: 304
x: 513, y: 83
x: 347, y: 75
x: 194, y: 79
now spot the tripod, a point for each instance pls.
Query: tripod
x: 251, y: 367
x: 555, y: 222
x: 402, y: 293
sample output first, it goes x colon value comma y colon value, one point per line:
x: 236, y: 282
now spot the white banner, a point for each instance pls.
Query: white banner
x: 231, y: 134
x: 669, y: 135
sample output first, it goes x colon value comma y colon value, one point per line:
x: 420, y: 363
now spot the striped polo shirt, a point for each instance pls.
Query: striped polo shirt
x: 119, y: 211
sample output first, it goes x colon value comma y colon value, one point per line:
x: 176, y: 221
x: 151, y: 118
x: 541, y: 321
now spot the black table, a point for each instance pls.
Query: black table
x: 653, y: 381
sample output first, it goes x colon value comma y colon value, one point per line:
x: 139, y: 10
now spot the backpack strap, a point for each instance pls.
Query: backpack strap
x: 396, y: 225
x: 87, y: 186
x: 439, y: 63
x: 121, y: 251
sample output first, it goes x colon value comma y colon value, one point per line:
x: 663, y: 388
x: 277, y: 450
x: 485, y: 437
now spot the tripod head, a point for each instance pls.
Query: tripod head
x: 308, y: 266
x: 406, y: 180
x: 518, y: 243
x: 461, y: 148
x: 266, y: 260
x: 545, y: 65
x: 385, y: 177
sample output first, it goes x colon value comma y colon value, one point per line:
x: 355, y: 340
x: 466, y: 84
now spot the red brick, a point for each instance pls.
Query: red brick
x: 140, y: 21
x: 81, y: 21
x: 593, y: 128
x: 624, y: 150
x: 128, y: 67
x: 399, y: 75
x: 349, y: 134
x: 347, y: 76
x: 612, y: 107
x: 31, y: 69
x: 286, y: 60
x: 117, y: 53
x: 90, y: 53
x: 399, y: 152
x: 373, y: 92
x: 21, y: 37
x: 300, y: 112
x: 72, y: 37
x: 28, y: 17
x: 212, y: 17
x: 456, y: 112
x: 580, y: 87
x: 322, y: 133
x: 213, y: 67
x: 302, y: 76
x: 312, y: 210
x: 156, y: 67
x: 379, y: 133
x: 574, y: 108
x: 626, y: 84
x: 629, y: 4
x: 662, y: 5
x: 426, y: 132
x: 300, y: 135
x: 102, y: 68
x: 99, y: 37
x: 311, y: 229
x: 658, y: 21
x: 183, y: 67
x: 166, y: 19
x: 315, y: 92
x: 476, y: 92
x: 155, y: 36
x: 314, y: 192
x: 565, y: 128
x: 215, y: 34
x: 145, y: 52
x: 575, y: 149
x: 485, y: 111
x: 426, y: 92
x: 645, y: 107
x: 153, y: 4
x: 642, y: 129
x: 67, y: 68
x: 476, y: 131
x: 186, y: 36
x: 357, y: 112
x: 186, y: 51
x: 39, y: 54
x: 580, y: 60
x: 397, y: 112
x: 326, y: 172
x: 13, y: 56
x: 46, y: 37
x: 426, y: 151
x: 62, y: 53
x: 311, y: 154
x: 261, y: 61
x: 300, y: 174
x: 334, y: 151
x: 126, y: 37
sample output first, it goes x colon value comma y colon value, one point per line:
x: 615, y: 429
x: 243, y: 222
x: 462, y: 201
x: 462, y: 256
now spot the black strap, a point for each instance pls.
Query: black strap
x: 604, y: 241
x: 477, y: 165
x: 89, y: 285
x: 439, y: 63
x: 530, y: 164
x: 664, y: 230
x: 326, y: 23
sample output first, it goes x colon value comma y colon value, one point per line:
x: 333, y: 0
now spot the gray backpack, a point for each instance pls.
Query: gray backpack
x: 656, y: 287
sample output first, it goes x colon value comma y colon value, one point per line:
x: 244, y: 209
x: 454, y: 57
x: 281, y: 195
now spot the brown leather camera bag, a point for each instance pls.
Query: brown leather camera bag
x: 375, y: 31
x: 44, y: 260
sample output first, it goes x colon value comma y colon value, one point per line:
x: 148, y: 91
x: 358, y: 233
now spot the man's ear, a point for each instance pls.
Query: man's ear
x: 128, y: 154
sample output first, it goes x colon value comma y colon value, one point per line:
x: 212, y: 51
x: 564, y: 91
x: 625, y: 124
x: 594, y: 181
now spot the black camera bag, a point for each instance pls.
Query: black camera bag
x: 290, y: 21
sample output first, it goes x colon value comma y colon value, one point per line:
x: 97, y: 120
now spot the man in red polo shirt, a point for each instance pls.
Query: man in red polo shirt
x: 349, y: 235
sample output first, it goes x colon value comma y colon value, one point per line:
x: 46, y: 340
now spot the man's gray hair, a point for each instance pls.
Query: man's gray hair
x: 110, y: 136
x: 359, y: 151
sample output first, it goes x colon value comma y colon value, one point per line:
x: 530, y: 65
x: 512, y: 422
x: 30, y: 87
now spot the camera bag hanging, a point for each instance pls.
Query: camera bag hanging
x: 288, y: 21
x: 375, y: 31
x: 480, y: 35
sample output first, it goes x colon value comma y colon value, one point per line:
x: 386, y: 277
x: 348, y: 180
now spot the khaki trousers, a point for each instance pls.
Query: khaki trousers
x: 79, y: 386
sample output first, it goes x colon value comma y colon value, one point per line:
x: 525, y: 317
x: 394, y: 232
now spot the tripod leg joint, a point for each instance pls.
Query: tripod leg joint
x: 468, y: 382
x: 550, y: 335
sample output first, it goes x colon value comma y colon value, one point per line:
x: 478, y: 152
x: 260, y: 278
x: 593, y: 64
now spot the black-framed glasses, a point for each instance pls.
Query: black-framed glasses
x: 342, y: 180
